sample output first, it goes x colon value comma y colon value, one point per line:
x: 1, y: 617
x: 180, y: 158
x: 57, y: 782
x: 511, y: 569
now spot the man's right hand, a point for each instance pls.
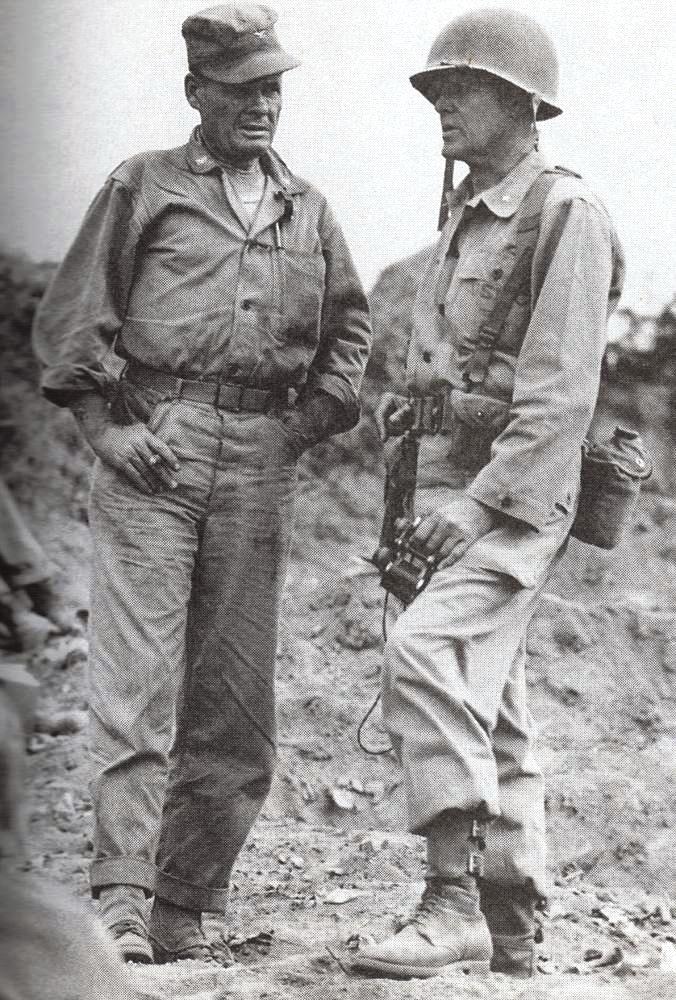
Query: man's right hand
x: 131, y: 449
x: 143, y: 458
x: 393, y: 415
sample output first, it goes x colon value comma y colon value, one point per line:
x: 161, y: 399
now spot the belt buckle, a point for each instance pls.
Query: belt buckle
x: 435, y: 411
x: 417, y: 405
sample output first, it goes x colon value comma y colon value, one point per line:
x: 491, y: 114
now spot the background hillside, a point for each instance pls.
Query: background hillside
x: 602, y: 678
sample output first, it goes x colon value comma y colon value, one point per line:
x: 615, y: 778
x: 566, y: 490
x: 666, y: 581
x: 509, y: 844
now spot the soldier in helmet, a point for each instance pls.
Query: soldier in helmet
x: 225, y: 284
x: 503, y: 369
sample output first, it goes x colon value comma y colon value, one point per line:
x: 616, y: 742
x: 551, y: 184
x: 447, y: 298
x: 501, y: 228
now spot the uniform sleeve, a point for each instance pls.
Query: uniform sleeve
x: 534, y: 470
x: 345, y: 343
x: 84, y: 306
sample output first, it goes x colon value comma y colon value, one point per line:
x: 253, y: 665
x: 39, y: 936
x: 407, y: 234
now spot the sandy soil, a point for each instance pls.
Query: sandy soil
x: 329, y: 864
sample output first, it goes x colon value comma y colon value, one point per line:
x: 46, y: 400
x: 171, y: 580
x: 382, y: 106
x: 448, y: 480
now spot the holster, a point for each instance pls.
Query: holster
x: 400, y: 480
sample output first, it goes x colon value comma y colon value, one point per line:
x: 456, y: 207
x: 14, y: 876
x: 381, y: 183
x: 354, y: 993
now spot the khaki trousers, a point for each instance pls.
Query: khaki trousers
x: 185, y: 604
x: 455, y: 702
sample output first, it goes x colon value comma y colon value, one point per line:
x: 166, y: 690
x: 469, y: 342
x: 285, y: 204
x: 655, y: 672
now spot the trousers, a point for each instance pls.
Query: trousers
x: 455, y: 699
x: 185, y: 605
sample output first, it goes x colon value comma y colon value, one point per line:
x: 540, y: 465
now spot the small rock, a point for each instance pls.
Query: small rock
x: 374, y: 842
x: 61, y: 723
x: 592, y: 954
x: 339, y: 896
x: 342, y: 798
x: 78, y: 652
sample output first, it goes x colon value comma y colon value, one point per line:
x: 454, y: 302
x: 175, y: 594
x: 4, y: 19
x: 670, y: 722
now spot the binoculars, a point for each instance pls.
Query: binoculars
x: 405, y: 569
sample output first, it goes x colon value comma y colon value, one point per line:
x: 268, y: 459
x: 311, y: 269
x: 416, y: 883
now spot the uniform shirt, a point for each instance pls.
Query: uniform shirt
x: 245, y: 189
x: 164, y: 268
x: 548, y: 360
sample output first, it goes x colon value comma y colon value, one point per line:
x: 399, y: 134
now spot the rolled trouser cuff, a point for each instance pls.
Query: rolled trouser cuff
x: 192, y: 897
x: 439, y: 785
x: 122, y: 871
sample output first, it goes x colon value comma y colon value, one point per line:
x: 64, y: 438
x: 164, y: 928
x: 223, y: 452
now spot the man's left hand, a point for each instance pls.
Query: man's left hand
x: 450, y: 531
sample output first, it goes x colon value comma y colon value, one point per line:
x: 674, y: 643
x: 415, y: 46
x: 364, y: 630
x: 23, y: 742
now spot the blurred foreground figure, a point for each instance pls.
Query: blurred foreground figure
x: 50, y: 948
x: 503, y: 371
x: 226, y: 285
x: 25, y: 569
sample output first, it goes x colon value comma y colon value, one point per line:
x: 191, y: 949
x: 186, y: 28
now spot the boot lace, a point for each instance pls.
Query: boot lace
x: 431, y: 905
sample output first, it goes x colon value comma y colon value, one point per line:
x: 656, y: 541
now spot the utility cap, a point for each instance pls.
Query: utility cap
x: 235, y: 43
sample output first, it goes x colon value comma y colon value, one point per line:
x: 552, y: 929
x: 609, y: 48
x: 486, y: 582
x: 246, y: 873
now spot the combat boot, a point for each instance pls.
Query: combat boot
x: 510, y: 915
x: 122, y: 910
x: 446, y: 929
x: 176, y: 934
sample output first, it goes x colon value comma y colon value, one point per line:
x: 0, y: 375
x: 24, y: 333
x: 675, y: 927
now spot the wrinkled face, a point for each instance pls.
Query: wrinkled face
x: 239, y: 120
x: 473, y: 113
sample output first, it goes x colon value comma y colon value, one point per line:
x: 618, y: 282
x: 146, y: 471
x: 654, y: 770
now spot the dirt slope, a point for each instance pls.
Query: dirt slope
x: 328, y: 859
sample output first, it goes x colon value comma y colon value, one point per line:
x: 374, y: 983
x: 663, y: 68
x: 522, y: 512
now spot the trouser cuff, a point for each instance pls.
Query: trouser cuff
x: 190, y: 896
x: 122, y: 871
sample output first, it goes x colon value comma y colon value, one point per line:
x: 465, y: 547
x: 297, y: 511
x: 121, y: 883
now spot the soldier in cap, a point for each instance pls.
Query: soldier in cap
x: 224, y: 283
x: 509, y: 329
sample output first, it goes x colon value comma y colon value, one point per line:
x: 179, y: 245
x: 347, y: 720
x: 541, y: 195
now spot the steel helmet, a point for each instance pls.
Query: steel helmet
x: 503, y: 42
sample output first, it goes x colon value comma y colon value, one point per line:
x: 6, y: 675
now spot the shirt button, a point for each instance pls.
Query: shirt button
x: 246, y: 304
x: 427, y: 357
x: 506, y: 502
x: 498, y: 273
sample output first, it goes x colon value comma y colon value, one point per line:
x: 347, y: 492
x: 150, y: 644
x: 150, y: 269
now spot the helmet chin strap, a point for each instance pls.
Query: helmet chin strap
x: 448, y: 187
x: 535, y: 102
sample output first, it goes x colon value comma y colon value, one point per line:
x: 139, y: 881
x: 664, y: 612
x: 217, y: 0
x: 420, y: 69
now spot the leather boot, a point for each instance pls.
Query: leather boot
x: 510, y: 915
x: 122, y: 910
x: 176, y: 934
x: 446, y: 929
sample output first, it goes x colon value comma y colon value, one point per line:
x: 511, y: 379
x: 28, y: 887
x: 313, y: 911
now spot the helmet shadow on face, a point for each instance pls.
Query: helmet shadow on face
x: 507, y: 44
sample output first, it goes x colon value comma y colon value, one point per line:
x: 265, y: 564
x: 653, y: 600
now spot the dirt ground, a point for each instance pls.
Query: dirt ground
x: 329, y: 864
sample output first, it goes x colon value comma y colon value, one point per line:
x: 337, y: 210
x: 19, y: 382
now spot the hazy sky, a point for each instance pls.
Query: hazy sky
x: 88, y: 83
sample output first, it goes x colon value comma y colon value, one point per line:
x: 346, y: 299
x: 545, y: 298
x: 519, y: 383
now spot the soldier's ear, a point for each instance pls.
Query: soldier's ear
x: 191, y: 87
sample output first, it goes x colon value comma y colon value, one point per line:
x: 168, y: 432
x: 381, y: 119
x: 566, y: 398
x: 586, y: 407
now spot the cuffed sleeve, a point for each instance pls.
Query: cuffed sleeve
x: 533, y: 473
x: 338, y: 367
x: 84, y: 306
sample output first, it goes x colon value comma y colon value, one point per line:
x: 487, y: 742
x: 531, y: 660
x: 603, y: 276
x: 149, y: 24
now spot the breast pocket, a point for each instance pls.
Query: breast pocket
x: 301, y: 297
x: 473, y: 289
x: 478, y: 282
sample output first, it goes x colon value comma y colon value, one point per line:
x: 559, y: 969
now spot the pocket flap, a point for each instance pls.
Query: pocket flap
x: 479, y: 411
x: 473, y: 265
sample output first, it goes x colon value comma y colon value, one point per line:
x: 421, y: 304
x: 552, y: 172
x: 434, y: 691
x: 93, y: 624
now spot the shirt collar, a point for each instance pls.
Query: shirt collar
x: 504, y: 198
x: 201, y: 161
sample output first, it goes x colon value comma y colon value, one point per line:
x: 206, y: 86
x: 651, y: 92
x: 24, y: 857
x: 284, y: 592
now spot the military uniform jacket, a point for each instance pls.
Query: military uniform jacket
x: 165, y: 269
x: 545, y: 371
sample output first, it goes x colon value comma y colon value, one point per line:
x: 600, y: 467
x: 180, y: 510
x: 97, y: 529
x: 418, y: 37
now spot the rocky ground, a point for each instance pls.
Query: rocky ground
x: 329, y: 865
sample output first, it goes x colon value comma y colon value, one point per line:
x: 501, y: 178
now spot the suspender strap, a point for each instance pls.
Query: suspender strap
x: 528, y: 227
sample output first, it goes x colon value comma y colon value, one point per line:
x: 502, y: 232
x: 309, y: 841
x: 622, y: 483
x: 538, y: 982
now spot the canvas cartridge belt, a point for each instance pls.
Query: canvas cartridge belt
x: 234, y: 396
x: 444, y: 411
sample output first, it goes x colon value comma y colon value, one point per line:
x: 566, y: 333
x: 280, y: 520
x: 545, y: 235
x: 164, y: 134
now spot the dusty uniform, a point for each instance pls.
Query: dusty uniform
x: 187, y: 583
x: 454, y: 694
